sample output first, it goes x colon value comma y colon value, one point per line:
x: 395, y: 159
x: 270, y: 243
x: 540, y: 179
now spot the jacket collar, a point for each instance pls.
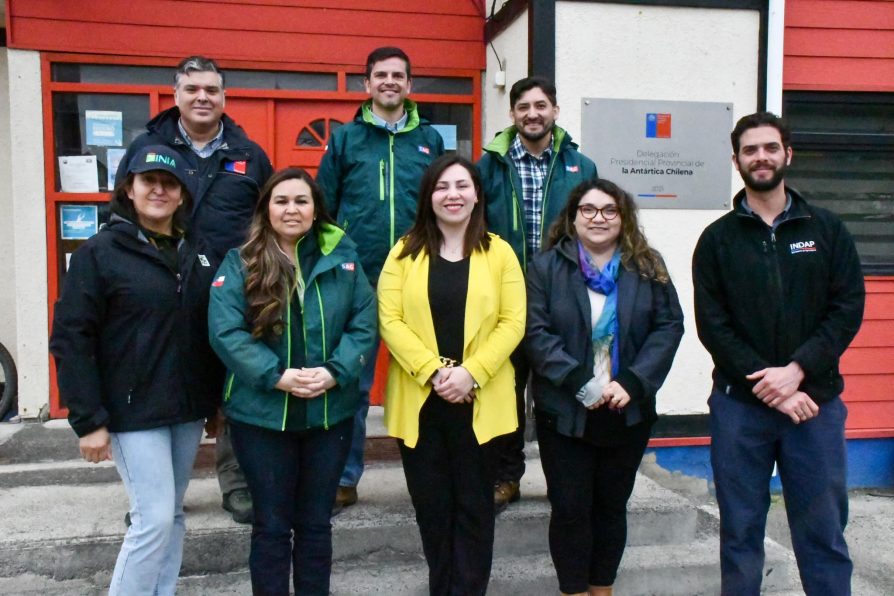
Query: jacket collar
x: 798, y: 209
x: 124, y: 226
x: 165, y: 124
x: 364, y: 115
x: 503, y: 141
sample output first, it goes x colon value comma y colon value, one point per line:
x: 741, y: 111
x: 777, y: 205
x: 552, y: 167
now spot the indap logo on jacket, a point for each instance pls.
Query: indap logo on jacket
x: 807, y: 246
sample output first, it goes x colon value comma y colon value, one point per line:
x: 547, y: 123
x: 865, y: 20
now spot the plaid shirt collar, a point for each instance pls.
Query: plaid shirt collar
x: 517, y: 150
x: 208, y: 150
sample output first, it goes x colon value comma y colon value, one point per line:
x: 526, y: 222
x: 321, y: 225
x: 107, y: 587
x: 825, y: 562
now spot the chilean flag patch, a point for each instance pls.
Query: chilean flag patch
x: 347, y: 266
x: 424, y: 149
x: 218, y: 282
x: 571, y: 168
x: 237, y: 167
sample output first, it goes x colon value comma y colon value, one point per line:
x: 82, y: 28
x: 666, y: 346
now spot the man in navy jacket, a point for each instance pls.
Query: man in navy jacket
x: 778, y: 297
x: 225, y: 171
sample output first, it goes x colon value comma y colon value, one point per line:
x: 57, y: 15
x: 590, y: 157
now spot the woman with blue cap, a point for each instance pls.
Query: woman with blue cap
x: 134, y: 365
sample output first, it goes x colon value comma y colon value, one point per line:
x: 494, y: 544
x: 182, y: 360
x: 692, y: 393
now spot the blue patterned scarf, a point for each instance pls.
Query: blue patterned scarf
x: 605, y: 282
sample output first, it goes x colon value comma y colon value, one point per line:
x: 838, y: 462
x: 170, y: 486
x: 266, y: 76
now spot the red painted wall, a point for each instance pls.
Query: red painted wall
x: 839, y: 45
x: 868, y: 365
x: 848, y: 45
x: 437, y: 34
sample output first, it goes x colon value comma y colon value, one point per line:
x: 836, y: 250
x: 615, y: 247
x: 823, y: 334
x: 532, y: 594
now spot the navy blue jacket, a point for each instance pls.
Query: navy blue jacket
x: 765, y: 298
x: 130, y: 335
x: 224, y: 197
x: 559, y: 345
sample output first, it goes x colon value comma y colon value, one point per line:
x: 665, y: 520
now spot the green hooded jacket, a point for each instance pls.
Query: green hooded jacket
x: 502, y: 187
x: 336, y: 329
x: 370, y: 178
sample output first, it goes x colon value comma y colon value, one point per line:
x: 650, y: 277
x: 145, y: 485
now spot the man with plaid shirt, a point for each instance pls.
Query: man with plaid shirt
x: 527, y: 172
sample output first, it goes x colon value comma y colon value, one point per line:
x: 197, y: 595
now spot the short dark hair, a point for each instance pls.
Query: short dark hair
x: 122, y: 205
x: 192, y: 64
x: 425, y: 235
x: 383, y: 53
x: 524, y: 85
x: 760, y: 119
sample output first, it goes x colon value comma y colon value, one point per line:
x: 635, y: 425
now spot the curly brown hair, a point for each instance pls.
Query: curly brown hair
x: 636, y: 254
x: 270, y: 274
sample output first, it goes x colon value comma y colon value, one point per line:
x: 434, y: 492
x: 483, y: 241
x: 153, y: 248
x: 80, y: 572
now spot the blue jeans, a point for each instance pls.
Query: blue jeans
x: 354, y: 466
x: 746, y: 440
x: 292, y: 477
x: 155, y: 466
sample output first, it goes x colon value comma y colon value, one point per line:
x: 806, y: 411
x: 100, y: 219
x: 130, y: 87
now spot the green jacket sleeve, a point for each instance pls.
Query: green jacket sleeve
x: 329, y: 176
x: 250, y: 359
x: 356, y: 342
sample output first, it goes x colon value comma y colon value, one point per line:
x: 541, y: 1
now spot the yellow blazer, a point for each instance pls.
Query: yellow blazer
x: 494, y: 326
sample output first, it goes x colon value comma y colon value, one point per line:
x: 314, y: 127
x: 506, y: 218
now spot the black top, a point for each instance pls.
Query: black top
x: 448, y: 284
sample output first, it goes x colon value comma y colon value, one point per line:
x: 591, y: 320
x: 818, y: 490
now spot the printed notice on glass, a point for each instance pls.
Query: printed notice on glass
x: 79, y: 222
x: 78, y: 173
x: 104, y: 128
x: 114, y: 155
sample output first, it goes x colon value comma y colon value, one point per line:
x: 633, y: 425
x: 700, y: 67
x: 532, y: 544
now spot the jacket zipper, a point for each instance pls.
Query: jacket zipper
x: 391, y: 183
x: 285, y: 409
x: 381, y: 179
x: 545, y: 202
x: 516, y: 208
x: 323, y: 338
x: 229, y: 386
x: 179, y: 279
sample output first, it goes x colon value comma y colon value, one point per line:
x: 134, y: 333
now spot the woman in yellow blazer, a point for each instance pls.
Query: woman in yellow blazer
x: 451, y: 311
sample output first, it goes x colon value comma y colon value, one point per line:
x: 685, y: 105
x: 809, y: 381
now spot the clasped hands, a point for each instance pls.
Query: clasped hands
x: 778, y: 388
x: 306, y: 383
x: 454, y: 384
x: 593, y: 395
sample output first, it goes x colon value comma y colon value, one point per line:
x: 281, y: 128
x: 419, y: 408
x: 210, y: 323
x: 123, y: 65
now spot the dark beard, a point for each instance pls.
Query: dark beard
x: 763, y: 185
x: 536, y: 137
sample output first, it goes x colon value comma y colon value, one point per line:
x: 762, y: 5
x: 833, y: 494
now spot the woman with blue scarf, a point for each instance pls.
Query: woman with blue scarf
x: 604, y: 323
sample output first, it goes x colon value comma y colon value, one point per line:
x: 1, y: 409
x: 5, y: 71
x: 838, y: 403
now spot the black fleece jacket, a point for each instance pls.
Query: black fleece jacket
x: 765, y: 298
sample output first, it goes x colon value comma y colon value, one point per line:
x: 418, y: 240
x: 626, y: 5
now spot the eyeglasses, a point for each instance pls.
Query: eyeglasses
x: 609, y: 212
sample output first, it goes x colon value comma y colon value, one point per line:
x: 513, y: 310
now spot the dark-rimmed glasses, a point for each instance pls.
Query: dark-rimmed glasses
x: 609, y: 212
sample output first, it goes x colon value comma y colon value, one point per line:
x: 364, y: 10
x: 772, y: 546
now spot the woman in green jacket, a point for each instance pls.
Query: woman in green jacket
x: 292, y: 316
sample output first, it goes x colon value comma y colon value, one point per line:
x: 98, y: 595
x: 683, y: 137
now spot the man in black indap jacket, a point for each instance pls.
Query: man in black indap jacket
x: 225, y: 171
x: 778, y: 297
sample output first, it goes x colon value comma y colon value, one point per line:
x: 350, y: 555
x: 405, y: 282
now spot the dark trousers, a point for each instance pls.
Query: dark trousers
x: 450, y: 479
x: 588, y: 488
x: 229, y: 476
x: 292, y: 478
x: 510, y: 448
x: 746, y: 440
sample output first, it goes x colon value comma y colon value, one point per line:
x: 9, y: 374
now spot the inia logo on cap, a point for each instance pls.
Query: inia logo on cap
x: 155, y: 157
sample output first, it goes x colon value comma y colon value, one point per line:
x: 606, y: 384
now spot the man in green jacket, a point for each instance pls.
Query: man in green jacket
x: 370, y: 177
x: 527, y: 172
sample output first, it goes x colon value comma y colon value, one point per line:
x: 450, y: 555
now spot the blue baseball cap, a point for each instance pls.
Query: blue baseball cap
x: 158, y: 157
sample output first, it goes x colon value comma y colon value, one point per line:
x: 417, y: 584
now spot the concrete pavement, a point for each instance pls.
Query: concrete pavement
x: 62, y: 525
